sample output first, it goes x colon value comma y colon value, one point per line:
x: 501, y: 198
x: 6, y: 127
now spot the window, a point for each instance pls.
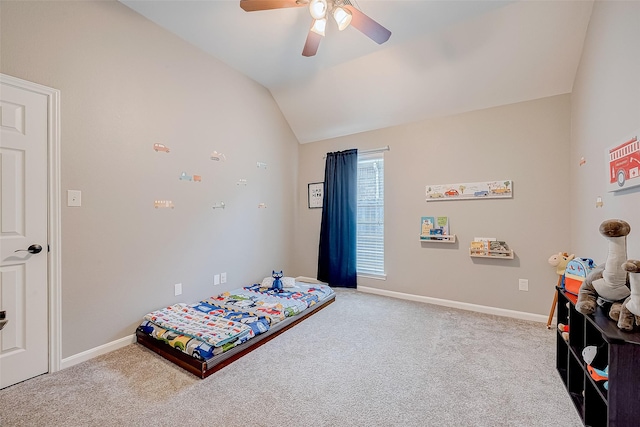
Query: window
x: 370, y: 234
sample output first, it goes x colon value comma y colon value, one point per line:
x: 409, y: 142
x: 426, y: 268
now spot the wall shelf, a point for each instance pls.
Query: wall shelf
x: 508, y: 254
x: 439, y: 238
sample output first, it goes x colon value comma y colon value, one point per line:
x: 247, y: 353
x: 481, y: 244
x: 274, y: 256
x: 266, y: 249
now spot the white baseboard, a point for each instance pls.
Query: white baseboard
x: 98, y: 351
x: 456, y: 304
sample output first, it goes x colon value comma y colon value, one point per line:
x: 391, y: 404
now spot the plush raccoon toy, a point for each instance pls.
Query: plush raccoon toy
x: 277, y: 283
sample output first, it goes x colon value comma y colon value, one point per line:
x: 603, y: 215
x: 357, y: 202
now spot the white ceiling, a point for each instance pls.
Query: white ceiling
x: 443, y: 57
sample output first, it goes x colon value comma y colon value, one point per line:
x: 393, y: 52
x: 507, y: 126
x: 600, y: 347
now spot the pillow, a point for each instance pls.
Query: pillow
x: 287, y: 282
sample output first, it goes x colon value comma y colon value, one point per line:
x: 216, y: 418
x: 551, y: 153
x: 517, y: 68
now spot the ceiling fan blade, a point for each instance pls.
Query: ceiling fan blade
x: 312, y: 43
x: 368, y: 26
x: 253, y: 5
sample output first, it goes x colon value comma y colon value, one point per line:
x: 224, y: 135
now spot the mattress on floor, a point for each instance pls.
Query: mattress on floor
x: 211, y: 327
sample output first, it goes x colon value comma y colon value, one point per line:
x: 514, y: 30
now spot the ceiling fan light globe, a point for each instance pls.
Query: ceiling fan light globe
x: 342, y: 17
x: 318, y: 9
x: 319, y: 26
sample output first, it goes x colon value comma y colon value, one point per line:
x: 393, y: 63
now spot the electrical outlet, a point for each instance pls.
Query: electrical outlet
x: 216, y: 279
x: 177, y: 288
x: 223, y: 277
x: 523, y: 284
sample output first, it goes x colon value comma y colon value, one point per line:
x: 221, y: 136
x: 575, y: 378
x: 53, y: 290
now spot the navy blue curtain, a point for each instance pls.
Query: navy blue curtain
x: 337, y: 252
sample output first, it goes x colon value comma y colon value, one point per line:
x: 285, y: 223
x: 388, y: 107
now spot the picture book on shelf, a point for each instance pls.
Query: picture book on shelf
x: 443, y: 223
x: 427, y: 224
x: 497, y: 245
x: 479, y: 247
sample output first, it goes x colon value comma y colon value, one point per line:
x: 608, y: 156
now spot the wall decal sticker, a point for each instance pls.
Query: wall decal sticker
x: 186, y: 177
x: 218, y: 157
x: 261, y: 165
x: 599, y: 203
x: 242, y: 182
x: 160, y: 147
x: 163, y: 204
x: 220, y: 205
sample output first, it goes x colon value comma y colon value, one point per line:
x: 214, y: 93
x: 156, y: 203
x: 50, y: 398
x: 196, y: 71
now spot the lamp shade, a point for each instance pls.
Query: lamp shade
x: 318, y: 26
x: 342, y: 17
x: 318, y: 9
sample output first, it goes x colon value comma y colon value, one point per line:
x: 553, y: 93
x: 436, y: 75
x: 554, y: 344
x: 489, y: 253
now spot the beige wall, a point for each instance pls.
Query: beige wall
x: 526, y: 142
x: 125, y: 84
x: 605, y: 111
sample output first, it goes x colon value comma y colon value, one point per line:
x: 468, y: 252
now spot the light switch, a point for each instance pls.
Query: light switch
x: 74, y: 198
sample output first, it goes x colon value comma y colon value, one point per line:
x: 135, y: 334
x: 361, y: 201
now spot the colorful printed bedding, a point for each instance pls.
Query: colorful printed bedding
x: 258, y: 323
x: 274, y: 307
x: 309, y: 294
x: 218, y: 324
x: 186, y: 320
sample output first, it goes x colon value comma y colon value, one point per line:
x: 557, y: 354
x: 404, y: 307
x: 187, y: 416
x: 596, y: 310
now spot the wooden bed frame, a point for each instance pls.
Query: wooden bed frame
x: 204, y: 368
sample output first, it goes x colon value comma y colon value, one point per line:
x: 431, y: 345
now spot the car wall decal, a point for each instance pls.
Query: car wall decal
x: 160, y: 148
x: 192, y: 178
x: 163, y: 204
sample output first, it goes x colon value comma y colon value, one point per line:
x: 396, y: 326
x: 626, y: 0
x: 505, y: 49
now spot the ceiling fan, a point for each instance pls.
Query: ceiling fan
x: 342, y: 11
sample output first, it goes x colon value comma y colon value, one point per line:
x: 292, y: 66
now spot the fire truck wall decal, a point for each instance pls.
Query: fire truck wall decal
x: 624, y: 164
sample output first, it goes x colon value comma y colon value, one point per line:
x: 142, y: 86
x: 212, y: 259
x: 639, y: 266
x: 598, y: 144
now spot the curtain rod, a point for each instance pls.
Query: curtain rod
x: 373, y: 150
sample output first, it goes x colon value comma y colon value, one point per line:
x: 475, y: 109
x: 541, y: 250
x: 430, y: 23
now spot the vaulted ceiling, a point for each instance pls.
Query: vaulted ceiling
x: 443, y: 57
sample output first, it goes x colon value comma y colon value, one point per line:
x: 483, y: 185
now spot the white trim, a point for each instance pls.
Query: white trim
x: 456, y: 304
x: 70, y: 361
x: 373, y: 276
x: 55, y: 238
x: 54, y: 264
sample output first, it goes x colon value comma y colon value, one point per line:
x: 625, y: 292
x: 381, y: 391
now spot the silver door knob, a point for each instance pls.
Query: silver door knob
x: 33, y: 249
x: 3, y: 319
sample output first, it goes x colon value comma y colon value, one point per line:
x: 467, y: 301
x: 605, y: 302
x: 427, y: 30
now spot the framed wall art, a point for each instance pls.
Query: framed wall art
x: 500, y: 189
x: 623, y: 161
x: 316, y: 193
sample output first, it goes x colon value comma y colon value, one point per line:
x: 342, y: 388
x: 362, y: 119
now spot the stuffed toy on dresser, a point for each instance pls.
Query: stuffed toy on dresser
x: 608, y: 283
x: 629, y: 311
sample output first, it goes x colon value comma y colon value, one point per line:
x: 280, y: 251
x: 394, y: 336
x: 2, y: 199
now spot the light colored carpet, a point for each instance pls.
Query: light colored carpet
x: 365, y: 360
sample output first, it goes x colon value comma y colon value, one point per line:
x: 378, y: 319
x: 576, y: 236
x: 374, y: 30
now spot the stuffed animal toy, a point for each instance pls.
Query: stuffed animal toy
x: 560, y: 261
x: 277, y: 283
x: 628, y: 313
x: 608, y: 283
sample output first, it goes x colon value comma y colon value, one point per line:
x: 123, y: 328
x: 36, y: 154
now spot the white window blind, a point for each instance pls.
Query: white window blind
x: 370, y: 234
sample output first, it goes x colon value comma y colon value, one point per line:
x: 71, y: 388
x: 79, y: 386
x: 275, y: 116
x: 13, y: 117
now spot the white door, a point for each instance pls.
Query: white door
x: 23, y: 226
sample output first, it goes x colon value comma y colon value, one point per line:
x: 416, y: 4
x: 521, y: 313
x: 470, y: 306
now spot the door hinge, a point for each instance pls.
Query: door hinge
x: 48, y: 248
